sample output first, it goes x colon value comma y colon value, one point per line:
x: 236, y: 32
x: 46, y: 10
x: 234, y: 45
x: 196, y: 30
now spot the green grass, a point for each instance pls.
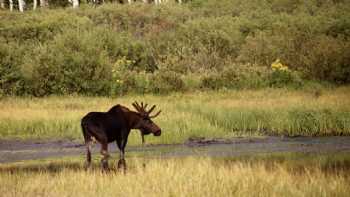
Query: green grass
x: 200, y: 114
x: 262, y: 175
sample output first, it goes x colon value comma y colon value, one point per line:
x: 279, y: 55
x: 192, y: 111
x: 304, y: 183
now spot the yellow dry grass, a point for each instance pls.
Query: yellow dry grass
x: 173, y: 177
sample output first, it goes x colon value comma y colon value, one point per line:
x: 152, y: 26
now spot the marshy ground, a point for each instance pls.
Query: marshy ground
x: 271, y: 142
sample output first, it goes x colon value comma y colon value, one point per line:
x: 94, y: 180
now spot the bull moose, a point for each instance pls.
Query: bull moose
x: 115, y: 125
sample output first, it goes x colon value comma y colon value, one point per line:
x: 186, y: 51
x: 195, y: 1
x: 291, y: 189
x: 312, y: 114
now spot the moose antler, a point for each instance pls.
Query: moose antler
x: 155, y: 115
x: 137, y: 106
x: 152, y: 108
x: 142, y: 109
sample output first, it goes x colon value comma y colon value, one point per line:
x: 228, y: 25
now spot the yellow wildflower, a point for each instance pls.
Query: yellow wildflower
x: 277, y: 65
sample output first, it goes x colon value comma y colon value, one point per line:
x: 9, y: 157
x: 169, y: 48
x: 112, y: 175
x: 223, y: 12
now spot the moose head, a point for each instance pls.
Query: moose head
x: 146, y: 125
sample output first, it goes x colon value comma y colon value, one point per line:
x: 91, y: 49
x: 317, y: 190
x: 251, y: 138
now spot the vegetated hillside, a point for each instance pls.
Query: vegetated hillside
x: 204, y: 44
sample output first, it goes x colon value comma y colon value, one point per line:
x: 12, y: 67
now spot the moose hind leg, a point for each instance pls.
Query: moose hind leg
x: 88, y: 141
x: 88, y: 153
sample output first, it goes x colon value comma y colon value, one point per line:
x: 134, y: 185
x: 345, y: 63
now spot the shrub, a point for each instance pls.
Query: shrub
x: 140, y: 20
x: 282, y: 76
x: 81, y: 62
x: 237, y: 77
x: 199, y: 44
x: 42, y: 26
x: 11, y: 79
x: 159, y: 82
x: 72, y: 63
x: 328, y: 58
x: 164, y: 81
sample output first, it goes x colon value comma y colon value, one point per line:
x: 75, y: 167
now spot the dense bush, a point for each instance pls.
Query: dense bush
x: 114, y: 49
x: 237, y: 77
x: 42, y: 26
x: 71, y: 63
x: 200, y: 44
x: 166, y: 81
x: 159, y: 82
x: 11, y: 80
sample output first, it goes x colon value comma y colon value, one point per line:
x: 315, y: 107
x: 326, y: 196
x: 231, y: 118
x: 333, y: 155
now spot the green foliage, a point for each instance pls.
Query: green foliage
x: 72, y: 63
x: 237, y: 77
x: 199, y: 44
x: 159, y: 82
x: 11, y: 80
x: 65, y: 51
x: 166, y: 82
x: 281, y: 76
x: 312, y: 122
x: 41, y: 26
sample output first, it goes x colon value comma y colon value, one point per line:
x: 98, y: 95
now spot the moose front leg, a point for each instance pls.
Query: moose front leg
x: 121, y: 163
x: 105, y: 156
x: 143, y: 138
x: 121, y: 142
x: 121, y: 145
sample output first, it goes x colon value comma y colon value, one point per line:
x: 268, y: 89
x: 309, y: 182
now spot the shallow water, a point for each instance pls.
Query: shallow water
x: 11, y: 151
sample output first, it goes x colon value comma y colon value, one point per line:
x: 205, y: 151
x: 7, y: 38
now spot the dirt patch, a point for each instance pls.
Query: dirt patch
x: 16, y: 150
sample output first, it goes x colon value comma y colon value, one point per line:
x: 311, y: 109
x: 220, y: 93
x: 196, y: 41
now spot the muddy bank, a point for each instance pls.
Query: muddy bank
x: 16, y: 150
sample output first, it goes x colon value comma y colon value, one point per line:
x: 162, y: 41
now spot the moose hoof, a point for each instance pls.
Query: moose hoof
x: 104, y: 164
x: 87, y: 166
x: 122, y: 164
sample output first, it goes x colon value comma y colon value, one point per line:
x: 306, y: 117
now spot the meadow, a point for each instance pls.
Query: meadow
x: 264, y: 175
x: 219, y: 114
x: 216, y: 69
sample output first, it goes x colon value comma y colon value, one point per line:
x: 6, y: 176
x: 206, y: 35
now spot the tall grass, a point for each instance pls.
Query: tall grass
x: 172, y: 177
x: 200, y: 114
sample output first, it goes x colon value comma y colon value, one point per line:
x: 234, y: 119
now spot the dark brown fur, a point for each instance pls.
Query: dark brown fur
x: 115, y: 125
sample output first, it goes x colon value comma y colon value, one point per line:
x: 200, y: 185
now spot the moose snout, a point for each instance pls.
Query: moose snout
x: 157, y: 133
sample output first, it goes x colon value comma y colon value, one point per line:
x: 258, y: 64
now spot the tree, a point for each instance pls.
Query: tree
x: 35, y: 4
x: 43, y: 3
x: 75, y: 3
x: 11, y: 5
x: 2, y: 4
x: 21, y: 5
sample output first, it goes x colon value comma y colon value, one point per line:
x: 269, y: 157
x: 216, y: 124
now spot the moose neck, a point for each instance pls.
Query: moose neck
x: 134, y: 119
